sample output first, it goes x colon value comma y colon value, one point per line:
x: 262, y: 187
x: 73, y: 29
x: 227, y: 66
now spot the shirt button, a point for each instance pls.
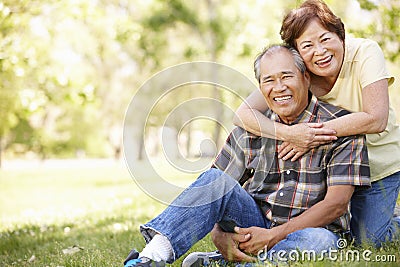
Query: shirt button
x: 281, y: 194
x: 288, y: 172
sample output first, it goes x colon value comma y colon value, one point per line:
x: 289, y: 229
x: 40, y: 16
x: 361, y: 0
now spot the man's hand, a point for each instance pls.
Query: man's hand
x: 260, y: 239
x: 227, y: 244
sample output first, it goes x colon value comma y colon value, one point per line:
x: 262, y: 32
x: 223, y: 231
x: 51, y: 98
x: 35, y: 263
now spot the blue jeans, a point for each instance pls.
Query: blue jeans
x: 213, y: 197
x: 372, y: 212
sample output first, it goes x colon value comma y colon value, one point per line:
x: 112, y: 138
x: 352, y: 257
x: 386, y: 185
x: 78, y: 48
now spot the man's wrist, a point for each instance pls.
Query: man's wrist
x: 281, y: 233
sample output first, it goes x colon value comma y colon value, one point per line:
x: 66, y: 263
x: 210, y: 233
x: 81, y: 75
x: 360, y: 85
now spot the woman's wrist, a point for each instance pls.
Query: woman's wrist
x: 282, y: 131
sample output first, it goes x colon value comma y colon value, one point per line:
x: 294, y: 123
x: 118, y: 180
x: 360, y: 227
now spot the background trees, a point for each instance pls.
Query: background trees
x: 69, y: 68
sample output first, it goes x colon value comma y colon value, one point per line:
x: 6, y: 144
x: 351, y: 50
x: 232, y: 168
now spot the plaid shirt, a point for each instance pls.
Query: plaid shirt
x: 285, y: 189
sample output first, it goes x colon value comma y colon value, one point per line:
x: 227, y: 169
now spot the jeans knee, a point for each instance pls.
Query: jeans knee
x: 215, y: 176
x: 315, y: 237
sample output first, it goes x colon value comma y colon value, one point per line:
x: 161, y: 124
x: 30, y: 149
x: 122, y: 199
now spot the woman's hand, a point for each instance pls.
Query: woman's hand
x: 302, y: 137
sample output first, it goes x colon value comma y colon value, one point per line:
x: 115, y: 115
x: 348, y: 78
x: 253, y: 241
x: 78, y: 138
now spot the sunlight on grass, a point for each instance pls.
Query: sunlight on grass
x: 50, y: 207
x: 43, y: 194
x: 87, y: 213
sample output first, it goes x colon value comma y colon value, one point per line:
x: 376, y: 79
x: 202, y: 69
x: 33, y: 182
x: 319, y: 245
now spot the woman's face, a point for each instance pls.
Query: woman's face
x: 321, y: 50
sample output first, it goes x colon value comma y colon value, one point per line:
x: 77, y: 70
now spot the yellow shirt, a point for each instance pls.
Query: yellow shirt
x: 363, y: 64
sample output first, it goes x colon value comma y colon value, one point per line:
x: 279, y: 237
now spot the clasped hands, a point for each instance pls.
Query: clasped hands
x: 245, y: 244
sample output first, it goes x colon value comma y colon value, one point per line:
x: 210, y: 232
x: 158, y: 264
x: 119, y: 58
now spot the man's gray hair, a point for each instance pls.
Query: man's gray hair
x: 298, y: 61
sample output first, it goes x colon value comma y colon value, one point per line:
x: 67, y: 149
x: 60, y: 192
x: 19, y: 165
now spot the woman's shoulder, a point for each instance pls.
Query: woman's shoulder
x: 356, y: 47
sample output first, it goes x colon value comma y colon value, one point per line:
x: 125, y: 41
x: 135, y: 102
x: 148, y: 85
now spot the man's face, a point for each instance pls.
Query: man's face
x: 284, y: 87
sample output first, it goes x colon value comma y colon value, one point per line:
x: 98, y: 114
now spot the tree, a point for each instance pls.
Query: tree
x: 383, y: 27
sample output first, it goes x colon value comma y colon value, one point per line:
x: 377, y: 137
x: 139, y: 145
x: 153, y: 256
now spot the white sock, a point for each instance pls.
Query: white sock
x: 158, y: 249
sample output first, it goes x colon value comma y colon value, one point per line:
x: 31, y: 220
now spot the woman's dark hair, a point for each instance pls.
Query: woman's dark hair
x: 296, y: 21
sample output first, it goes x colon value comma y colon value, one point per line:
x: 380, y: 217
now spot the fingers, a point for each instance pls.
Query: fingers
x: 290, y: 154
x: 323, y: 139
x: 315, y: 125
x: 297, y: 156
x: 320, y: 130
x: 284, y: 145
x: 242, y: 235
x: 242, y: 231
x: 239, y: 256
x: 286, y: 151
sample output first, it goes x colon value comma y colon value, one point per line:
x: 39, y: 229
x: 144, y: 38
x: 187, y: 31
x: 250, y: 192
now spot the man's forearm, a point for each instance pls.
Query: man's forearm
x: 321, y: 214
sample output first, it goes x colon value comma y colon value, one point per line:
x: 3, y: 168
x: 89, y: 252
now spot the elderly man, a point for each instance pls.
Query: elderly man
x: 286, y: 206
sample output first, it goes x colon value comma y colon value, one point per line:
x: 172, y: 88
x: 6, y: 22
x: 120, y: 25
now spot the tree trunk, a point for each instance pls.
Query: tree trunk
x: 217, y: 93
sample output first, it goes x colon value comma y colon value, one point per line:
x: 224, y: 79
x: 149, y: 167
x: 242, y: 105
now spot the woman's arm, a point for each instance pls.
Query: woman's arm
x: 373, y: 118
x: 250, y: 117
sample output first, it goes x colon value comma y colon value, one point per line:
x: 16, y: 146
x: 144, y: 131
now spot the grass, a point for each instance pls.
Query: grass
x: 93, y: 210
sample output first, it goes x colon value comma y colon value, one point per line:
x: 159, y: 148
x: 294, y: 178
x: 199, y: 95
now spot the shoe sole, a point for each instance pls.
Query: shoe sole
x: 199, y: 259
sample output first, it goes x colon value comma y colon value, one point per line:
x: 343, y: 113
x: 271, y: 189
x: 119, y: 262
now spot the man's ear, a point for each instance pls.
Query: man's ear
x: 307, y: 77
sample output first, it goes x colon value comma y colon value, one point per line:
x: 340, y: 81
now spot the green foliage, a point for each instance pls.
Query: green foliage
x: 367, y: 4
x: 69, y: 68
x: 384, y: 26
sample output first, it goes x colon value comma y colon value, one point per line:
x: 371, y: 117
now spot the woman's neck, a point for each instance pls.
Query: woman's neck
x: 321, y: 86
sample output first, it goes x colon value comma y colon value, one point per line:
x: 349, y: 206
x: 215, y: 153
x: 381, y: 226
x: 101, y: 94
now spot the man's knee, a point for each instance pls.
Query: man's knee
x: 216, y: 177
x: 210, y: 186
x: 314, y: 238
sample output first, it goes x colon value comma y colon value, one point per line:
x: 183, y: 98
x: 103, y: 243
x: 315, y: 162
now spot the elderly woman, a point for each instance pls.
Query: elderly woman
x: 350, y: 73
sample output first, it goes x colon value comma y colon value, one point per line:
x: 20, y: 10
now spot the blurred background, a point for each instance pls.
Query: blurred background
x: 70, y: 68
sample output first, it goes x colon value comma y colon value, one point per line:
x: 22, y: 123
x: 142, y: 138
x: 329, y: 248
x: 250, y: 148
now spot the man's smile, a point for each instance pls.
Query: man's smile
x: 281, y: 99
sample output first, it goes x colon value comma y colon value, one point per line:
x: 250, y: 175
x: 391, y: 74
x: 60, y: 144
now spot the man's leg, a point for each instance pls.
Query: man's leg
x: 214, y: 196
x: 372, y: 212
x: 305, y: 244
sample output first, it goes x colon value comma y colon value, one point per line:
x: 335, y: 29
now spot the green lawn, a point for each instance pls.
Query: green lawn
x: 87, y: 215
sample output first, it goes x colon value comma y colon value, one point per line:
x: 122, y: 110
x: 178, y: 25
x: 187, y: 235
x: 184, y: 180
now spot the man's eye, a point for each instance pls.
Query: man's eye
x: 326, y: 39
x: 267, y: 81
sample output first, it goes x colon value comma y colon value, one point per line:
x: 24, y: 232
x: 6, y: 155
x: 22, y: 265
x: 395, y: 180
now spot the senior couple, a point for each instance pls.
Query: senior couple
x: 288, y: 178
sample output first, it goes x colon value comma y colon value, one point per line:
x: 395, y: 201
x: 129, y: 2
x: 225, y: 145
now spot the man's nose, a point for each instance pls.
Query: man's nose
x: 279, y: 86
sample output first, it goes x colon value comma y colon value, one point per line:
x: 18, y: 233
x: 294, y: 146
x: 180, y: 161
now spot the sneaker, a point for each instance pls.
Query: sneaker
x: 133, y: 260
x: 197, y: 259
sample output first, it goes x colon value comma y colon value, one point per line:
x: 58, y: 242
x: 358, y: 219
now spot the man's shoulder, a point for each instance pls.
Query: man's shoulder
x: 328, y: 111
